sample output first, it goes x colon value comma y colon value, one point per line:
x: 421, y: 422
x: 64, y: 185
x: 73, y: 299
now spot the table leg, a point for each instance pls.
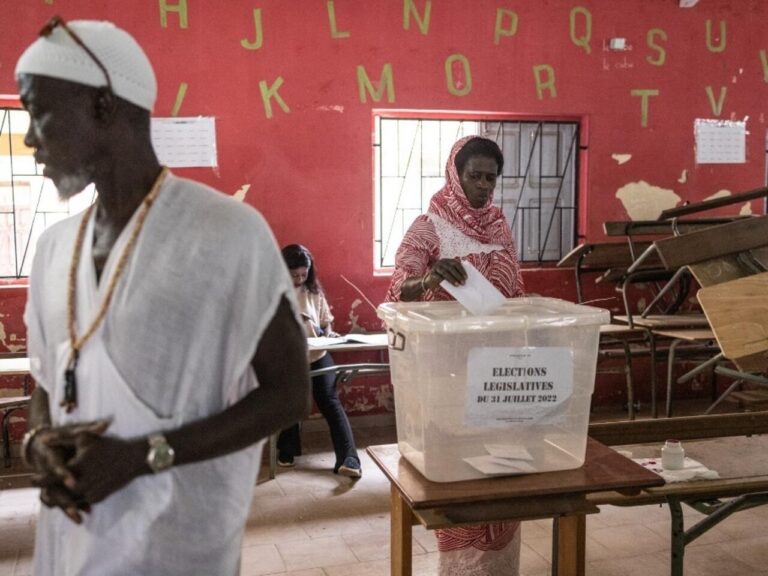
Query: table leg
x: 569, y: 545
x: 652, y: 346
x: 400, y: 535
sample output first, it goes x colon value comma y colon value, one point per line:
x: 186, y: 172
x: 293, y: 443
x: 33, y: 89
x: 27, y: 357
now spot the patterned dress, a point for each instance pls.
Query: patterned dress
x: 452, y: 228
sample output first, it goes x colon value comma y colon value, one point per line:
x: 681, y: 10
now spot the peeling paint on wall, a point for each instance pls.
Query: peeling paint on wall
x: 621, y: 158
x: 336, y: 108
x: 6, y: 344
x: 241, y: 193
x: 643, y: 201
x: 683, y: 177
x: 746, y: 210
x: 352, y: 318
x: 719, y: 194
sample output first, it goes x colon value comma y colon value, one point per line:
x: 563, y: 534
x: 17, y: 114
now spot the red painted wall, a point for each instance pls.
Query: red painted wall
x: 309, y: 162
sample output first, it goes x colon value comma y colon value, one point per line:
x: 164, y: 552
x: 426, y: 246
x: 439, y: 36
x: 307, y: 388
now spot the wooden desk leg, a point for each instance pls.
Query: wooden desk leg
x: 569, y: 545
x: 400, y: 536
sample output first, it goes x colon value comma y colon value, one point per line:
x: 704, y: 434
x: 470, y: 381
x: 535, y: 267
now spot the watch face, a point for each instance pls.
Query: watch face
x: 160, y: 455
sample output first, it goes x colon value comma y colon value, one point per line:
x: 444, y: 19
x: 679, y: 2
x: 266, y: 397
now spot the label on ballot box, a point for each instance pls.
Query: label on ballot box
x: 517, y: 385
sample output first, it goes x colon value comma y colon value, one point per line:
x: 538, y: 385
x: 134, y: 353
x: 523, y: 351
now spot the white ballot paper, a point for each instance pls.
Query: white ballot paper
x: 477, y: 294
x: 492, y: 465
x: 511, y: 451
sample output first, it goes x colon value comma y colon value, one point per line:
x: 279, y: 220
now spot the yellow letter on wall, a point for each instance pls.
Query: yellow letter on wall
x: 659, y: 61
x: 764, y: 61
x: 501, y: 30
x: 332, y: 19
x: 386, y: 82
x: 271, y: 92
x: 408, y: 8
x: 181, y: 8
x: 717, y: 107
x: 449, y: 80
x: 179, y: 99
x: 256, y: 44
x: 721, y: 47
x: 644, y: 94
x: 583, y: 41
x: 547, y: 83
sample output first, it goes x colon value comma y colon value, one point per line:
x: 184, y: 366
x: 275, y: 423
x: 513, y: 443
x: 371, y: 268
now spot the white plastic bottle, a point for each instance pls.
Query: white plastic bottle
x: 672, y: 455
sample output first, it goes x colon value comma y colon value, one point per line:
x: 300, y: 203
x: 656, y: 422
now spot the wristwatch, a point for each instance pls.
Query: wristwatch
x: 160, y: 456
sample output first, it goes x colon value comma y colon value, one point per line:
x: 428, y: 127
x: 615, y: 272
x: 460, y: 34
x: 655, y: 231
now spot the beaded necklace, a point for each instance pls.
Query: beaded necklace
x: 70, y: 382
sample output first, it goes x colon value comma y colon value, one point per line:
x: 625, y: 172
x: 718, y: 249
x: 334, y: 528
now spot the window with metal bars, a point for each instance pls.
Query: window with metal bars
x: 537, y: 189
x: 29, y: 202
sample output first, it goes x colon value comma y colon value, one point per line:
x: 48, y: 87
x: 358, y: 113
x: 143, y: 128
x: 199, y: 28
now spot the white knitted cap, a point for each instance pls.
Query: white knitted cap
x: 58, y: 56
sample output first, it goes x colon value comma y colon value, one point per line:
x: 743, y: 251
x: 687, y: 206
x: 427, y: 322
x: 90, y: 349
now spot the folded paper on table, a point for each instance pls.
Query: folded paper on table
x: 512, y: 451
x: 691, y: 470
x: 492, y: 465
x: 477, y: 294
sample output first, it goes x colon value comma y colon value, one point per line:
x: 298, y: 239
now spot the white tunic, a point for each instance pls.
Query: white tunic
x: 176, y: 345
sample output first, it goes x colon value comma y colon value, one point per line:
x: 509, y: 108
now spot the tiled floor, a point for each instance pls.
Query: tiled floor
x: 309, y: 522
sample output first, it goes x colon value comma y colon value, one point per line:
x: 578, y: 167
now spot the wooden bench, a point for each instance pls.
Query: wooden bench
x: 743, y: 481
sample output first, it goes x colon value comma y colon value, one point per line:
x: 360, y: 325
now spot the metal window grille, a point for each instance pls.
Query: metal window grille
x: 28, y: 202
x: 537, y: 189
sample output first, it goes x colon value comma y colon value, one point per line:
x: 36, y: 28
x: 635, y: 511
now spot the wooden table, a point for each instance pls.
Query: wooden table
x: 743, y: 480
x: 12, y: 365
x: 559, y: 495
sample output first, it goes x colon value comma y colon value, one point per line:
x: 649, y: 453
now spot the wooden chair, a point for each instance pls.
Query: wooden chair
x: 738, y: 314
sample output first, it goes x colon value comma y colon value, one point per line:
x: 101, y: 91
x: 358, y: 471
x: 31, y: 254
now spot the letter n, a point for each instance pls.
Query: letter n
x: 410, y: 8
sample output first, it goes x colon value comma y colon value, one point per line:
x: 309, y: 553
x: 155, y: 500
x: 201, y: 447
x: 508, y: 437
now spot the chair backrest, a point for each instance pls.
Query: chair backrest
x: 737, y: 311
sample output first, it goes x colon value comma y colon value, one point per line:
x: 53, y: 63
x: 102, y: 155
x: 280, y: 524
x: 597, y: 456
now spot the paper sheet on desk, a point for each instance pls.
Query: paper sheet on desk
x: 477, y: 294
x: 376, y: 339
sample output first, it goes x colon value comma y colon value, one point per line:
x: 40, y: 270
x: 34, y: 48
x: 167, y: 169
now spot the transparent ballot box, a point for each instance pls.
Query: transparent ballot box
x: 507, y: 393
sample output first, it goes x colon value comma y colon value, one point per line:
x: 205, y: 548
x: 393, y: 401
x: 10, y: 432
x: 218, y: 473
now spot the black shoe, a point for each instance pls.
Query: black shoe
x: 350, y: 468
x: 286, y: 462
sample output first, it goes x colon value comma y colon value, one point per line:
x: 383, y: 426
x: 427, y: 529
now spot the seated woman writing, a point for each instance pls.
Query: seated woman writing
x: 463, y: 225
x: 316, y: 316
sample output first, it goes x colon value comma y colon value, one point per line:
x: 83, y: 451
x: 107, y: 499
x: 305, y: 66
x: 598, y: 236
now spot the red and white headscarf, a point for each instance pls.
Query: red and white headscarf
x: 421, y: 246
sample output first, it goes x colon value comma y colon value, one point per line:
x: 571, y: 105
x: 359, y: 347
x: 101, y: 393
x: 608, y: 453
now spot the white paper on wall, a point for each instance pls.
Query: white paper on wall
x: 185, y: 142
x: 720, y: 141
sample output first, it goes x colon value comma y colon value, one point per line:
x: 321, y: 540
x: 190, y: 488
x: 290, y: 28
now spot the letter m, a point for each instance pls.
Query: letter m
x: 386, y: 82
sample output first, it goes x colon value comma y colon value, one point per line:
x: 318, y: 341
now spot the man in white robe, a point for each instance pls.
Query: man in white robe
x: 161, y: 330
